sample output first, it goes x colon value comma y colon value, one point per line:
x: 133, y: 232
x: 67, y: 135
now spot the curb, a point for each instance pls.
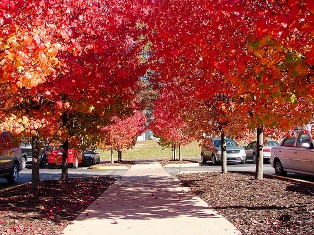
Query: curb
x: 182, y: 165
x: 108, y: 168
x: 278, y: 177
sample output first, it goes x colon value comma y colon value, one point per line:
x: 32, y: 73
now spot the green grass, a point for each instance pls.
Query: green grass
x: 151, y: 150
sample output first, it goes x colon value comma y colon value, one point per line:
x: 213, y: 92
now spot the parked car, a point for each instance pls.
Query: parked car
x: 235, y: 153
x: 251, y: 150
x: 27, y: 155
x: 91, y: 157
x: 294, y: 154
x: 54, y: 157
x: 10, y: 163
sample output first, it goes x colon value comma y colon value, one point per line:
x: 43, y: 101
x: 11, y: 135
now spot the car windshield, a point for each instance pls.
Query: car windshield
x: 229, y: 143
x: 272, y: 143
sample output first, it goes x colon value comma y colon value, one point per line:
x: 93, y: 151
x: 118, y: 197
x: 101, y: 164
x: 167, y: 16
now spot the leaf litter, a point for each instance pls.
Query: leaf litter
x: 49, y: 209
x: 268, y: 206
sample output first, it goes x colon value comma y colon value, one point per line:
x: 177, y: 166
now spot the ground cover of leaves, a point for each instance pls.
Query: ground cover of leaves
x: 268, y: 206
x: 49, y: 209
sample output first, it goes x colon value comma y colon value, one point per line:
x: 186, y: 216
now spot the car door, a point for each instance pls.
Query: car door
x: 250, y: 149
x: 304, y: 154
x: 5, y: 162
x: 287, y: 151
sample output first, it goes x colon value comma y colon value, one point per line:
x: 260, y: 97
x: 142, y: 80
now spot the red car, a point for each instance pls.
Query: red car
x: 54, y: 157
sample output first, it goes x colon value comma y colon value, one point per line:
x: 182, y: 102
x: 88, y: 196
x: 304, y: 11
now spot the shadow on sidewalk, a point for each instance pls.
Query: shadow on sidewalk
x: 145, y: 198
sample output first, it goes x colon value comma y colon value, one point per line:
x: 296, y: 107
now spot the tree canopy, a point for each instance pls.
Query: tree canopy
x: 72, y: 69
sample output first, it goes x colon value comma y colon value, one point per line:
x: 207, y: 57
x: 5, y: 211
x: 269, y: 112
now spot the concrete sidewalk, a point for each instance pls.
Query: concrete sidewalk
x: 147, y: 200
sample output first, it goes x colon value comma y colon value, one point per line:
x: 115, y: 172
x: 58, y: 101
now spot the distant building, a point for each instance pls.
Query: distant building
x: 147, y: 135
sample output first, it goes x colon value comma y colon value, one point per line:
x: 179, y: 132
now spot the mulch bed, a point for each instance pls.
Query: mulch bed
x: 268, y: 206
x: 49, y: 209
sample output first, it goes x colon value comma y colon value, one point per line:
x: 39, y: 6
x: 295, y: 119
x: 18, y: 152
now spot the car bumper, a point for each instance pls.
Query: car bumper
x: 233, y: 159
x: 266, y: 155
x: 88, y: 161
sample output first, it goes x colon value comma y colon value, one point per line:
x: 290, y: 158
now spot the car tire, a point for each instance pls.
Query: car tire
x: 279, y: 169
x: 75, y: 163
x: 214, y: 160
x: 23, y: 162
x: 43, y: 162
x: 254, y: 158
x: 14, y: 174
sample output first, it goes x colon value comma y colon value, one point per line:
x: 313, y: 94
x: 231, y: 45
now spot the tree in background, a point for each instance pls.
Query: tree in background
x: 123, y: 132
x: 167, y: 124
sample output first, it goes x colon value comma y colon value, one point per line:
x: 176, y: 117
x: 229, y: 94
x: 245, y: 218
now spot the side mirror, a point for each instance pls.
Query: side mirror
x: 305, y: 145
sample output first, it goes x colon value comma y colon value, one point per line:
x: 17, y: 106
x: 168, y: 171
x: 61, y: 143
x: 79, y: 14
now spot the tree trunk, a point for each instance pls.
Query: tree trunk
x: 180, y: 155
x: 119, y: 156
x: 35, y: 162
x: 259, y: 154
x: 111, y: 155
x: 65, y: 171
x: 174, y: 153
x: 223, y: 153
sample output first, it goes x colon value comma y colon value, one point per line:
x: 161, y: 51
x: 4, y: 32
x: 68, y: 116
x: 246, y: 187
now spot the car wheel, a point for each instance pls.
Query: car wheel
x: 75, y: 164
x: 23, y: 162
x: 43, y: 161
x: 254, y: 158
x: 279, y: 169
x: 14, y: 174
x: 214, y: 160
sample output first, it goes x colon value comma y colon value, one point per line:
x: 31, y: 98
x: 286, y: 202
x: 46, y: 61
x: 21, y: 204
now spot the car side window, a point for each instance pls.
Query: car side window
x: 289, y: 141
x: 304, y: 138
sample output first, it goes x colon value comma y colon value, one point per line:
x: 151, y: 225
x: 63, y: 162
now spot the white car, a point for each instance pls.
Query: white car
x: 295, y: 154
x: 251, y: 150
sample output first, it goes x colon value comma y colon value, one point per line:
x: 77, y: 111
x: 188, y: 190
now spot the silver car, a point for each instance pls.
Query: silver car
x: 251, y: 150
x: 91, y: 157
x: 235, y: 153
x: 295, y: 154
